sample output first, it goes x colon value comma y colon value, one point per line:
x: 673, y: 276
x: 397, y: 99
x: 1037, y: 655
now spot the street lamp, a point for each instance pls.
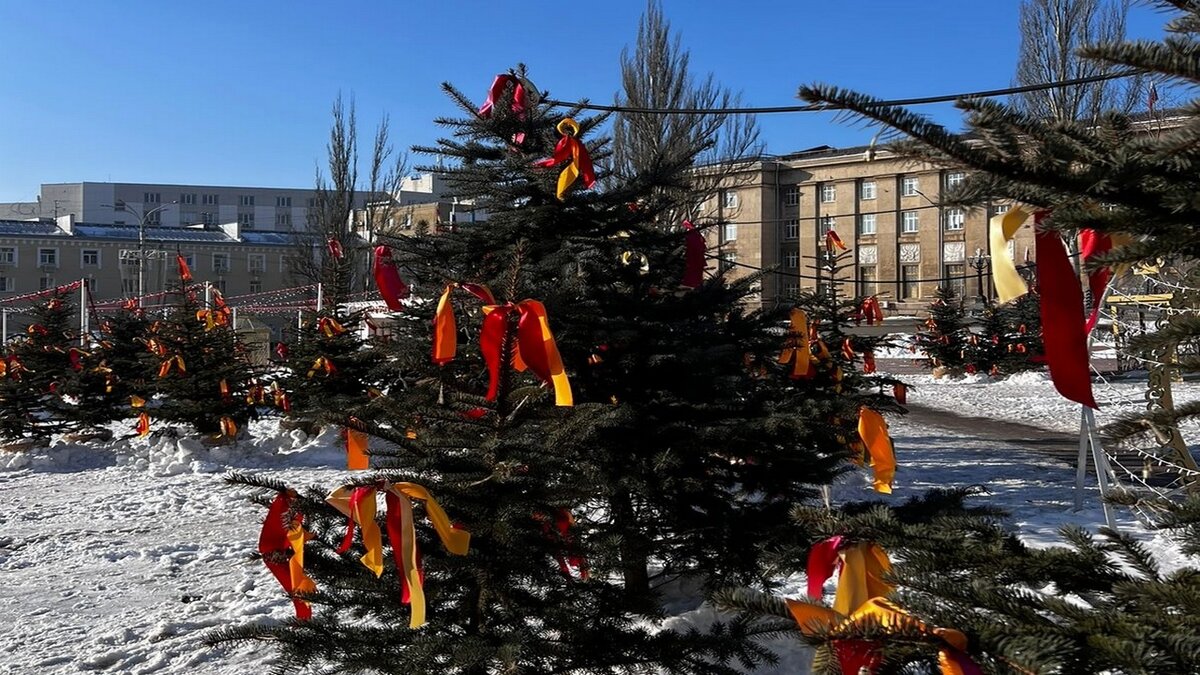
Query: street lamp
x: 979, y: 262
x: 141, y: 256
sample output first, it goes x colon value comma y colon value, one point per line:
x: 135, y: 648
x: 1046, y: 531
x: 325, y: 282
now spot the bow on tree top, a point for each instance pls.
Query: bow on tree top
x: 358, y: 504
x: 570, y: 149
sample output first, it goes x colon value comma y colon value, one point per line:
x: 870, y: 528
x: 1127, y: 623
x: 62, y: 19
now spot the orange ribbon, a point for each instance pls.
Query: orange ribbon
x: 223, y: 387
x: 228, y: 427
x: 322, y: 364
x: 445, y: 330
x: 570, y: 149
x: 874, y: 433
x: 358, y: 504
x: 797, y: 350
x: 356, y: 450
x: 329, y: 326
x: 185, y: 273
x: 832, y: 240
x: 143, y: 425
x: 177, y: 361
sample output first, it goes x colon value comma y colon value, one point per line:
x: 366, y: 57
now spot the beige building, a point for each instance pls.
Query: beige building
x: 903, y: 243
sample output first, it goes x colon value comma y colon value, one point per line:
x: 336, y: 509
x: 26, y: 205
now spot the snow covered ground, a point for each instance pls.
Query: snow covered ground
x: 120, y: 557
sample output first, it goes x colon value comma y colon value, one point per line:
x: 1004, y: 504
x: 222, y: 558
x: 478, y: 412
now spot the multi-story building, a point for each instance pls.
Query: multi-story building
x: 903, y: 241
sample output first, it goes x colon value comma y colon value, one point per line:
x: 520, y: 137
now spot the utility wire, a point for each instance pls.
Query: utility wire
x: 817, y: 107
x: 828, y: 278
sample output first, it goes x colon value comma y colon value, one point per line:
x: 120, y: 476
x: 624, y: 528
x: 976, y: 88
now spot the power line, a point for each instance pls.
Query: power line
x: 830, y: 278
x: 818, y: 107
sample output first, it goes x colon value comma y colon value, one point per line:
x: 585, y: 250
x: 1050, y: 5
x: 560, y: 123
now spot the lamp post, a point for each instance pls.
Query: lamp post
x: 979, y: 262
x: 141, y: 253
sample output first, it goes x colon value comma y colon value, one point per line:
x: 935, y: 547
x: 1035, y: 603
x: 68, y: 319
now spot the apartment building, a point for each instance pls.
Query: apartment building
x: 903, y: 242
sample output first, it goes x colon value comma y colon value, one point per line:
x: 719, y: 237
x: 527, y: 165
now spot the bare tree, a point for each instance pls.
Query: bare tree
x: 1052, y: 33
x: 346, y: 213
x: 657, y: 74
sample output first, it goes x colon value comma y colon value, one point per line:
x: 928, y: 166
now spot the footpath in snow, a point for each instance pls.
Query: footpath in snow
x: 120, y: 558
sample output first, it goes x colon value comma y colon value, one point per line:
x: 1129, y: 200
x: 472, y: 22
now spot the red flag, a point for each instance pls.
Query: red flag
x: 185, y: 274
x: 391, y: 287
x: 1061, y: 307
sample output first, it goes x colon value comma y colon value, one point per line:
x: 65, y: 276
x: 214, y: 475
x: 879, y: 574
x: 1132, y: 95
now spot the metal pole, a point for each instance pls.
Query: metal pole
x: 141, y: 288
x: 4, y: 326
x: 83, y: 312
x: 320, y: 297
x: 208, y: 294
x: 235, y: 318
x: 1081, y: 463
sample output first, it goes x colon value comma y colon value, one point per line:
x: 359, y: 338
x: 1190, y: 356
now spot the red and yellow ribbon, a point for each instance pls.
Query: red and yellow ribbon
x: 143, y: 424
x: 358, y: 505
x: 281, y: 544
x: 329, y: 326
x: 570, y: 149
x: 855, y: 654
x: 223, y: 388
x: 322, y: 365
x: 535, y: 348
x: 445, y: 330
x: 175, y: 362
x: 874, y: 433
x: 797, y: 350
x: 833, y: 241
x: 212, y: 318
x: 229, y: 428
x: 76, y: 358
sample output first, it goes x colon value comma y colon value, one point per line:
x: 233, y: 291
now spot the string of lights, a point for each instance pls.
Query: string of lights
x: 821, y: 107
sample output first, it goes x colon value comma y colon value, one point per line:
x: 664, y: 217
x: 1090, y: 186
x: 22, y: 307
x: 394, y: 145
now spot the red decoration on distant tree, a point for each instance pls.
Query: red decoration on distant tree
x: 335, y: 248
x: 694, y: 249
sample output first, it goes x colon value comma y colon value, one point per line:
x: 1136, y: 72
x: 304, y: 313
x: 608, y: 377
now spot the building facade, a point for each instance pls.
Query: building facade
x: 903, y: 242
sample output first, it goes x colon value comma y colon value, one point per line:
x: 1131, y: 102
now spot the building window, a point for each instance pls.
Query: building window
x: 119, y: 206
x: 151, y: 197
x: 128, y: 286
x: 208, y: 218
x: 827, y: 224
x: 911, y: 220
x: 48, y: 257
x: 245, y: 200
x: 791, y: 228
x: 187, y: 198
x: 828, y: 193
x: 955, y: 218
x: 909, y: 287
x: 729, y: 232
x: 866, y: 280
x: 866, y: 223
x: 91, y: 284
x: 729, y: 199
x: 791, y: 260
x: 154, y: 218
x: 910, y: 186
x: 257, y: 262
x: 867, y: 191
x: 8, y: 255
x: 956, y: 279
x: 791, y: 289
x: 89, y: 257
x: 255, y: 286
x: 210, y: 200
x: 955, y: 178
x: 246, y: 220
x: 283, y: 202
x: 220, y: 262
x: 791, y: 196
x: 312, y: 202
x: 1000, y: 208
x: 45, y: 283
x: 728, y: 260
x: 7, y: 285
x: 283, y: 219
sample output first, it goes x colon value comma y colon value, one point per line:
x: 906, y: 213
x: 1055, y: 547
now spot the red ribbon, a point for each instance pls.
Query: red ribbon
x: 534, y: 347
x: 396, y: 538
x: 335, y: 248
x: 1061, y: 308
x: 832, y: 240
x: 275, y: 549
x: 281, y: 350
x: 869, y: 311
x: 868, y: 362
x: 822, y: 560
x: 1092, y: 244
x: 391, y: 287
x: 900, y: 393
x: 694, y: 249
x: 562, y: 522
x: 76, y: 358
x: 518, y: 100
x: 185, y: 274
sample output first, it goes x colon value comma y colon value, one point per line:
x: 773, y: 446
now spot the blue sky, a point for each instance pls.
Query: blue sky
x: 238, y: 93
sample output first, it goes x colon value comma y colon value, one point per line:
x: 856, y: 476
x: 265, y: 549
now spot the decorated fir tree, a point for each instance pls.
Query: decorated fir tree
x: 203, y: 375
x: 946, y: 338
x: 31, y: 403
x: 331, y: 370
x: 661, y: 436
x: 113, y: 370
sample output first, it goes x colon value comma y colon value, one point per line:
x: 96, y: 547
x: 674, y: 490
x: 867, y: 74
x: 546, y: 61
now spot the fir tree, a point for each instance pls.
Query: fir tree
x: 686, y: 445
x: 104, y: 377
x: 30, y: 401
x: 331, y: 370
x: 203, y: 375
x: 946, y: 338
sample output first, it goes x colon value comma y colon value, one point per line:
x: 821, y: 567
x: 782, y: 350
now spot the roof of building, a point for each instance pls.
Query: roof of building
x: 30, y: 227
x: 194, y: 235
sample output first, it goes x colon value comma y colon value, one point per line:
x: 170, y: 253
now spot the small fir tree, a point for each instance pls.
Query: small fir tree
x: 331, y: 370
x: 946, y: 339
x: 35, y: 363
x: 107, y: 375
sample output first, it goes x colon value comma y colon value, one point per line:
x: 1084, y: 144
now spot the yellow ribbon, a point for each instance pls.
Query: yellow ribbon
x: 874, y: 433
x: 558, y: 375
x: 297, y: 535
x: 1001, y: 230
x: 863, y: 567
x: 364, y: 516
x: 321, y: 364
x: 165, y: 368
